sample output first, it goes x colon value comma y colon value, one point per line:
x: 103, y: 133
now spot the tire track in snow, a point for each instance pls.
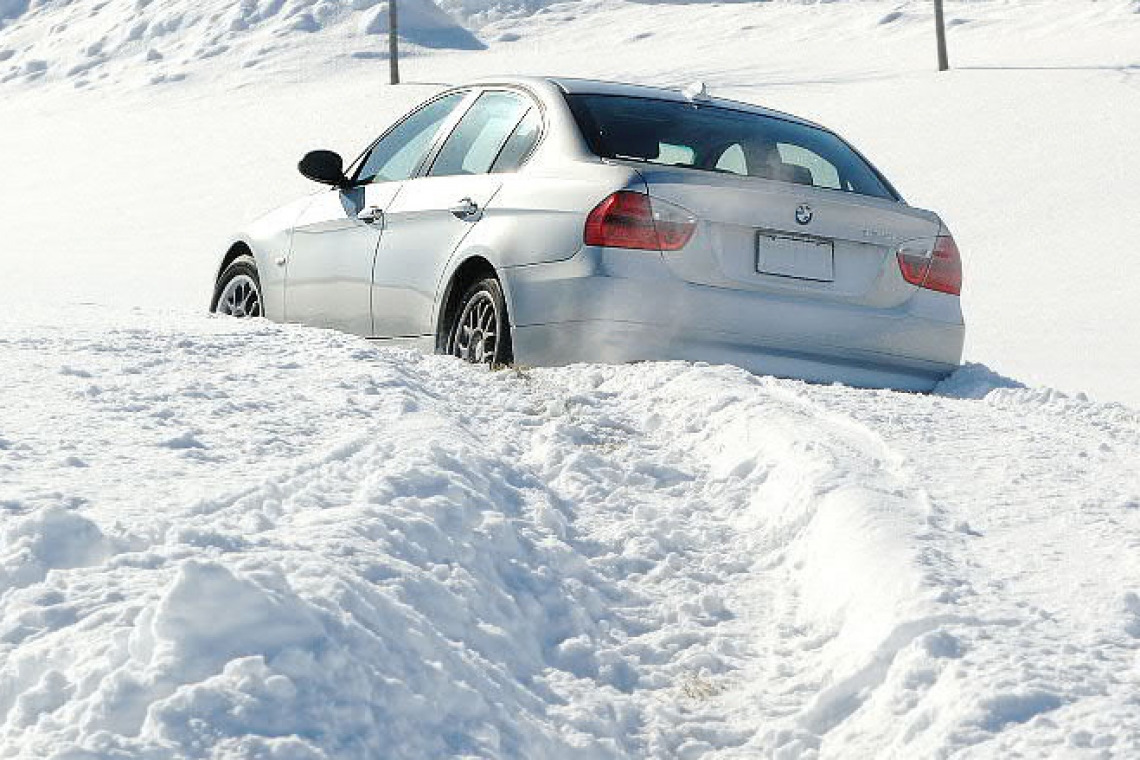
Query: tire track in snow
x: 790, y: 471
x: 734, y: 439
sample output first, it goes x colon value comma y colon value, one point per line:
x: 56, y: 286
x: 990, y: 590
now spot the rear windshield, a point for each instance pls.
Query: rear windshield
x: 717, y: 139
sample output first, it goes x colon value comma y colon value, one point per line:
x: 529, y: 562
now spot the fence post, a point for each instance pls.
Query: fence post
x: 393, y: 43
x: 939, y: 23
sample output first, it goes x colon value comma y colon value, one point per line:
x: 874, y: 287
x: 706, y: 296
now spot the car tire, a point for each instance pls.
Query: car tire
x: 481, y: 330
x: 238, y: 291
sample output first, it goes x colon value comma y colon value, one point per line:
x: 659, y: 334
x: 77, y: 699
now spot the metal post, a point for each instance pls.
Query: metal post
x: 939, y: 23
x: 393, y: 43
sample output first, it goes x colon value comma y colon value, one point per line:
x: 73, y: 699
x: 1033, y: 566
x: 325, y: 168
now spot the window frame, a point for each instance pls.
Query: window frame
x: 444, y: 128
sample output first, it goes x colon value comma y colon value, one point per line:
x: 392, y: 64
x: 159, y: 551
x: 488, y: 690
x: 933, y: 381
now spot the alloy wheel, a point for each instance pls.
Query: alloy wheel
x: 476, y: 335
x: 240, y: 297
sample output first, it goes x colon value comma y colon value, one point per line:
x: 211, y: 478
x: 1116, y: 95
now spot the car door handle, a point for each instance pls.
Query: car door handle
x: 371, y: 215
x: 465, y: 209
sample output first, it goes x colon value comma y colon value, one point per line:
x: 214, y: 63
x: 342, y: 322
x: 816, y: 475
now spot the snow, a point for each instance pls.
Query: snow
x: 226, y: 539
x: 91, y: 44
x: 375, y: 552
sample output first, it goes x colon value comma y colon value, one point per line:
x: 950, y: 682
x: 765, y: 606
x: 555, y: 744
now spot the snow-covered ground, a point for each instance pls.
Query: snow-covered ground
x: 243, y: 540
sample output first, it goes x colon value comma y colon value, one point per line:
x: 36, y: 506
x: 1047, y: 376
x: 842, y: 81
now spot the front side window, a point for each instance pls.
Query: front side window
x: 482, y: 132
x: 398, y: 154
x: 720, y: 139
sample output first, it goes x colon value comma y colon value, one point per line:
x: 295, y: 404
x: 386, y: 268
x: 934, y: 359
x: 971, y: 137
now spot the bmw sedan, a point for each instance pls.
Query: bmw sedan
x: 552, y: 221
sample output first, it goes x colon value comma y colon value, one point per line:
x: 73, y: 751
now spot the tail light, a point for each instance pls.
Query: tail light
x: 632, y: 220
x: 939, y: 270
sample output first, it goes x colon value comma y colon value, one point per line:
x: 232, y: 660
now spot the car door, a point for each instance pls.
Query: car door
x: 433, y: 213
x: 329, y: 268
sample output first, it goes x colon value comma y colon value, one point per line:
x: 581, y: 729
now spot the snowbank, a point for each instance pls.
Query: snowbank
x: 372, y: 552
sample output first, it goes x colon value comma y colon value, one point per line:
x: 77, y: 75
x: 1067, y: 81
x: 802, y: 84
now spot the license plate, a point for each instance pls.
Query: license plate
x: 804, y: 258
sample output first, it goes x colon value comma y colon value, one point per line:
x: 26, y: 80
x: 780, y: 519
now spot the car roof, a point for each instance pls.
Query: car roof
x: 576, y: 86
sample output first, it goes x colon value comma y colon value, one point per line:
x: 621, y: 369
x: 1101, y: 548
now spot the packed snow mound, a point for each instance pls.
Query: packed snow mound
x: 369, y: 552
x: 88, y: 43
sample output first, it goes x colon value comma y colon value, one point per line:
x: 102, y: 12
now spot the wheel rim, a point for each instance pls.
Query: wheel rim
x: 476, y: 337
x: 240, y: 297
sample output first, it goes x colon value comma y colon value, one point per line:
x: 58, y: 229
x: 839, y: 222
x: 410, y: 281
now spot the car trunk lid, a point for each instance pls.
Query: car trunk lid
x: 769, y: 235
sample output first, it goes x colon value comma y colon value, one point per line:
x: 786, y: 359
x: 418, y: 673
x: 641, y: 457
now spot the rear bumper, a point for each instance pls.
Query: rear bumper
x: 621, y: 306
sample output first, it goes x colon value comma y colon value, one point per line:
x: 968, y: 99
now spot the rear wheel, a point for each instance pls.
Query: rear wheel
x: 238, y: 292
x: 481, y: 332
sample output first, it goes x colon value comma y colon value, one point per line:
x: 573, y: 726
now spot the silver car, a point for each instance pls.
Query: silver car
x: 551, y: 221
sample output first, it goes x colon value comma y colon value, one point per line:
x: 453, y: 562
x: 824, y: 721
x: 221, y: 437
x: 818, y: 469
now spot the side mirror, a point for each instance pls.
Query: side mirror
x: 324, y: 166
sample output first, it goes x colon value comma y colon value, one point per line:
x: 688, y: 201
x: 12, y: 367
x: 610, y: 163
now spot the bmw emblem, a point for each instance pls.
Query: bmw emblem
x: 803, y: 213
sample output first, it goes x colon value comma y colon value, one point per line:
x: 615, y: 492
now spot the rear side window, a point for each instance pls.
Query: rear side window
x: 519, y: 145
x: 714, y: 138
x: 482, y: 132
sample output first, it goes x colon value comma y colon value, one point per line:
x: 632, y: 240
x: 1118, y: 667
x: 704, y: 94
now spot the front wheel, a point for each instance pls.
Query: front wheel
x: 238, y: 292
x: 481, y: 333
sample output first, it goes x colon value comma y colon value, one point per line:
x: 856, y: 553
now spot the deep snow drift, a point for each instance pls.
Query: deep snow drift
x: 226, y: 539
x: 241, y: 540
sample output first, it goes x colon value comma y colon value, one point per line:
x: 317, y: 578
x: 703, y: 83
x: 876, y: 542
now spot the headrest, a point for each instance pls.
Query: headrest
x: 633, y: 142
x: 799, y: 174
